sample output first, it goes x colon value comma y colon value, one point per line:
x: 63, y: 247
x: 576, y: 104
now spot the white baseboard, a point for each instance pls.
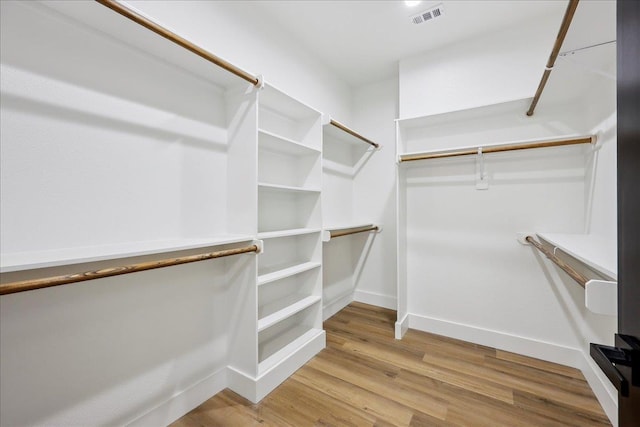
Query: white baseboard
x: 255, y: 389
x: 605, y: 392
x: 376, y: 299
x: 184, y: 401
x: 336, y: 305
x: 516, y: 344
x: 401, y: 327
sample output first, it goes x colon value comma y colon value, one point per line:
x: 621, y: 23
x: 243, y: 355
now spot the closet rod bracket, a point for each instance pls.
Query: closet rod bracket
x: 260, y: 245
x: 260, y: 84
x: 481, y: 175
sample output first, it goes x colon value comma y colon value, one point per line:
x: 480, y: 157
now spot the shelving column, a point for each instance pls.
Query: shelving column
x: 289, y: 283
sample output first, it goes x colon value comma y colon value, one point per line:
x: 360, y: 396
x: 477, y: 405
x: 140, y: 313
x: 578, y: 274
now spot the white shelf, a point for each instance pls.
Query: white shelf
x: 286, y: 312
x: 31, y: 260
x: 287, y: 343
x: 501, y: 144
x: 98, y: 19
x: 596, y: 252
x: 280, y: 188
x: 288, y: 232
x: 339, y: 136
x: 280, y: 144
x: 347, y: 226
x: 276, y: 100
x: 287, y: 272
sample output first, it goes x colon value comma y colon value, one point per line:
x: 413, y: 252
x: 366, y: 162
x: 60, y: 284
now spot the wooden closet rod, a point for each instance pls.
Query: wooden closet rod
x: 581, y: 279
x: 353, y: 133
x: 32, y: 284
x: 564, y: 28
x: 160, y: 30
x: 497, y: 148
x: 339, y: 233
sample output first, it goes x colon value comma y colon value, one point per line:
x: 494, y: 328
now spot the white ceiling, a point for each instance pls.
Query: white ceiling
x: 362, y: 41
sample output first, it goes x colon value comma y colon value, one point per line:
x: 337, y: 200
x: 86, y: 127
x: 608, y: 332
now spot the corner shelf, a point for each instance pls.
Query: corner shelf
x: 286, y: 312
x: 598, y: 253
x: 287, y: 272
x: 19, y: 261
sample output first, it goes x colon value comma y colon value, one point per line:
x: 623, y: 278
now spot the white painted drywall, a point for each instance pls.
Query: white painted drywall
x: 499, y: 67
x: 375, y: 108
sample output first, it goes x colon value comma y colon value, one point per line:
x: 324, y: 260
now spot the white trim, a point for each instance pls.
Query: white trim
x: 242, y: 384
x: 402, y: 325
x: 336, y: 305
x: 183, y: 401
x: 604, y: 391
x: 374, y: 298
x: 516, y: 344
x: 255, y: 389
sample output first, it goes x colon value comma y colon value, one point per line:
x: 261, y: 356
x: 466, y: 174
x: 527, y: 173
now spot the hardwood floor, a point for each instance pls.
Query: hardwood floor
x: 367, y: 378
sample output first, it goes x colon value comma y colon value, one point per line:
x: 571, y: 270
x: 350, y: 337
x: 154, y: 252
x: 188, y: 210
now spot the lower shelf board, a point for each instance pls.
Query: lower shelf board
x: 286, y: 312
x: 285, y: 344
x: 287, y: 272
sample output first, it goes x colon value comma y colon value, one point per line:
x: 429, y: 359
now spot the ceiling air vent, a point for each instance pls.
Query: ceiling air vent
x: 428, y: 15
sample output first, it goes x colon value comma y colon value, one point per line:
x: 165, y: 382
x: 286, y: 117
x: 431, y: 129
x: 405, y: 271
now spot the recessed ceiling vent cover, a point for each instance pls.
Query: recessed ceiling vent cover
x: 428, y: 15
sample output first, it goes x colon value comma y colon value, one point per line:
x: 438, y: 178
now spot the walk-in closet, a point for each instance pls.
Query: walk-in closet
x: 292, y: 213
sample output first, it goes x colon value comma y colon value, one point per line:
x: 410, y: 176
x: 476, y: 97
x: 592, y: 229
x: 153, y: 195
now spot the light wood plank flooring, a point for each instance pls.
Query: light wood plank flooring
x: 367, y: 378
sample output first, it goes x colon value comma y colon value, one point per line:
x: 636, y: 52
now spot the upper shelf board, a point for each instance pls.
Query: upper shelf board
x: 334, y: 134
x: 277, y: 100
x: 457, y: 116
x: 596, y: 252
x: 99, y: 19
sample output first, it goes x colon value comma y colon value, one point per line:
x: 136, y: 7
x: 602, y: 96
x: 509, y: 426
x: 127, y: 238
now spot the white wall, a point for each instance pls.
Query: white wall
x: 231, y: 31
x: 152, y: 344
x: 498, y: 67
x: 375, y: 109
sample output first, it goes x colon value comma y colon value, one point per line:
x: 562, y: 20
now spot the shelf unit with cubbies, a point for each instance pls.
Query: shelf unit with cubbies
x: 288, y: 306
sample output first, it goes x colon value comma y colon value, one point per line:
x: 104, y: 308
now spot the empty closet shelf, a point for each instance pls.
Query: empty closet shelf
x: 135, y: 29
x: 283, y: 345
x: 288, y: 232
x: 57, y: 257
x: 286, y: 188
x: 598, y: 253
x: 342, y: 132
x: 601, y: 295
x: 279, y: 144
x: 287, y: 272
x: 286, y: 312
x: 339, y: 231
x: 496, y: 148
x: 46, y: 282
